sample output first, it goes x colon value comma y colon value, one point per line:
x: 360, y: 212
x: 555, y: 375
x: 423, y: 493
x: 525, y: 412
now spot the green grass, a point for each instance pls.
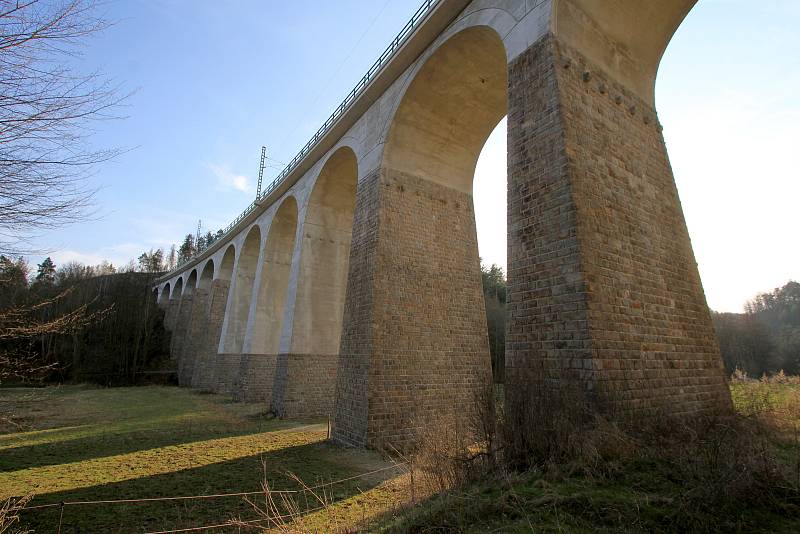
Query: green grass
x: 80, y: 443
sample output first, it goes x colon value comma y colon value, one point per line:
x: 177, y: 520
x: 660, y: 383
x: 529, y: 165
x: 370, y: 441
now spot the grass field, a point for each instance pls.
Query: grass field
x: 75, y: 443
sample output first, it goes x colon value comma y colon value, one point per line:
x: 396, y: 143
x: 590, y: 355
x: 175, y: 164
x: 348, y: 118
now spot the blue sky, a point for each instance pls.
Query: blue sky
x: 214, y: 81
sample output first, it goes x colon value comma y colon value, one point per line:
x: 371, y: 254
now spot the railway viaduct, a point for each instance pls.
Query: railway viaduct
x: 352, y: 287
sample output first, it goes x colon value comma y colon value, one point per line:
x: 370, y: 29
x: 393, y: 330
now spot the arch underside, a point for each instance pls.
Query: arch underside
x: 306, y: 374
x: 242, y: 287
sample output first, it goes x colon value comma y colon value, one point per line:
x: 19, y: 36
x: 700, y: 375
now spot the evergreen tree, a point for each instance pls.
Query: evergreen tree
x: 187, y: 249
x: 46, y: 273
x: 494, y: 297
x: 144, y: 262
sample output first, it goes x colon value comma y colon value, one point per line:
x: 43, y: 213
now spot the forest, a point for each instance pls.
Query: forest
x: 78, y: 323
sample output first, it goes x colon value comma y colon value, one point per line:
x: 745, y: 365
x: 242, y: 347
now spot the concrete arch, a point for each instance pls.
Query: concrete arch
x: 275, y: 273
x: 164, y: 294
x: 627, y: 38
x: 206, y: 276
x: 191, y: 283
x: 178, y: 291
x: 225, y: 271
x: 239, y: 301
x: 324, y: 254
x: 449, y: 109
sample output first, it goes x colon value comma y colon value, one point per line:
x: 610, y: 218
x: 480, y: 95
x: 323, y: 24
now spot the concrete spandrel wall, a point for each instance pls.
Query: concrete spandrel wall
x: 324, y: 251
x: 266, y: 326
x: 242, y: 292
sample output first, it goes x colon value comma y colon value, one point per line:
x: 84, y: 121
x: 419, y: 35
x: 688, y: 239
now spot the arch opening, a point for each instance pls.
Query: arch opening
x: 324, y: 257
x: 226, y: 265
x: 164, y: 297
x: 178, y: 291
x: 454, y: 102
x: 239, y: 305
x: 191, y: 283
x: 275, y: 272
x: 206, y: 276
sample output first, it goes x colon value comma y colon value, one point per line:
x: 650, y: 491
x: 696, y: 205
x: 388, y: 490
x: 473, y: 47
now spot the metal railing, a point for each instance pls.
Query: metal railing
x: 423, y: 10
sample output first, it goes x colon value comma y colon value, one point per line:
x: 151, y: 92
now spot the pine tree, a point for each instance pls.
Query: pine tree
x: 46, y: 273
x: 187, y: 249
x: 157, y: 261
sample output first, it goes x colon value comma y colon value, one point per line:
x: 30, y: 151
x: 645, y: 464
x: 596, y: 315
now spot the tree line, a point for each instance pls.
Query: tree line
x: 78, y: 323
x: 765, y: 339
x: 156, y: 261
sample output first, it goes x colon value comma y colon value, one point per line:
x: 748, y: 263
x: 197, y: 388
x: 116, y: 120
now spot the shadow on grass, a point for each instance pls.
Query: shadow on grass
x: 97, y: 441
x: 310, y: 462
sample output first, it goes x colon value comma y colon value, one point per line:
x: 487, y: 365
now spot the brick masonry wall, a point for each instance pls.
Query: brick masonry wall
x: 603, y: 285
x: 427, y: 355
x: 304, y: 385
x: 195, y: 332
x: 256, y: 378
x: 204, y: 378
x: 179, y: 333
x: 226, y: 370
x: 352, y: 381
x: 170, y: 315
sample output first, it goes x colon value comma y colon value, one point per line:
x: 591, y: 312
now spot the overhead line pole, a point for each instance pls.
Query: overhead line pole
x: 261, y: 171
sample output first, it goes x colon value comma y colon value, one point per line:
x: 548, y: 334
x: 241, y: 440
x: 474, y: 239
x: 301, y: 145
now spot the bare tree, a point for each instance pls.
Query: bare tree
x: 47, y: 110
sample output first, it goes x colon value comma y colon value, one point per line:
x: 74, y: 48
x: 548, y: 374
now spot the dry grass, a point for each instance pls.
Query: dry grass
x: 560, y: 467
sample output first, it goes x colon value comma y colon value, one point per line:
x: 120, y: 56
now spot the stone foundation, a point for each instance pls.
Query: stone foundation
x: 304, y: 385
x: 204, y: 375
x: 603, y: 286
x: 414, y: 342
x: 227, y: 373
x: 256, y: 378
x: 179, y: 332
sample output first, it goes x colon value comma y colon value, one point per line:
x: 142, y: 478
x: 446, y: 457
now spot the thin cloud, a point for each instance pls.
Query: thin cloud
x: 228, y: 179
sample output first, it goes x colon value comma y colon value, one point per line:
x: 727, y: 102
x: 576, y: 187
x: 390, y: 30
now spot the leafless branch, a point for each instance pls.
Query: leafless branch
x: 46, y: 113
